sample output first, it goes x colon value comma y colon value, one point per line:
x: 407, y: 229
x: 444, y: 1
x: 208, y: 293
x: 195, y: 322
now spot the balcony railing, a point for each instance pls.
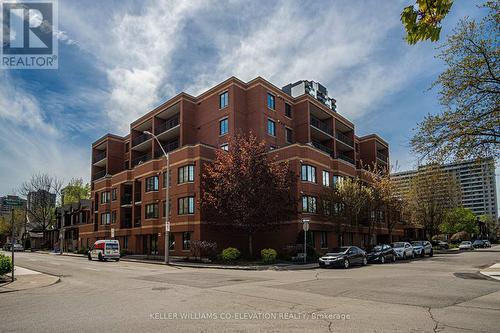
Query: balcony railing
x: 168, y: 147
x: 99, y: 174
x: 141, y: 159
x: 140, y: 139
x: 100, y: 156
x: 126, y: 199
x: 168, y: 124
x: 321, y: 125
x: 382, y: 157
x: 345, y: 158
x: 126, y: 223
x: 322, y: 147
x: 344, y: 138
x: 137, y: 222
x: 137, y: 196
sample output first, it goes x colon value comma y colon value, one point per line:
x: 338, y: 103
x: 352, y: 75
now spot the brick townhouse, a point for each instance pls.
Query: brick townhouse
x: 299, y: 123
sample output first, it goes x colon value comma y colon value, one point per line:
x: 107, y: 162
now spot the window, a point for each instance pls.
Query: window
x: 165, y: 207
x: 105, y: 197
x: 113, y: 217
x: 271, y: 127
x: 337, y: 180
x: 125, y: 242
x: 114, y: 194
x: 185, y: 206
x: 185, y: 174
x: 152, y: 211
x: 327, y: 207
x: 167, y: 180
x: 323, y: 239
x: 225, y: 147
x: 152, y: 184
x: 186, y: 240
x: 326, y: 178
x: 105, y: 218
x: 289, y: 135
x: 223, y: 126
x: 288, y: 110
x: 309, y: 204
x: 223, y: 100
x: 270, y: 101
x: 308, y: 173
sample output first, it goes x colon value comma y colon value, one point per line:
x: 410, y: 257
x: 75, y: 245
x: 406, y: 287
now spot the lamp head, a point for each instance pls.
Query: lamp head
x: 148, y: 133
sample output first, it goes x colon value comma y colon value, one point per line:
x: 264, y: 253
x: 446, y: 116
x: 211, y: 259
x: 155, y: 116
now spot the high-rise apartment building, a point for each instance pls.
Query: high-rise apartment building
x: 129, y: 173
x: 11, y: 201
x: 476, y: 180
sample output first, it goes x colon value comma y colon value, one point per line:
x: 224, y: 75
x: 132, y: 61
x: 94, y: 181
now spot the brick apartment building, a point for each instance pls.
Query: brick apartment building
x: 299, y: 123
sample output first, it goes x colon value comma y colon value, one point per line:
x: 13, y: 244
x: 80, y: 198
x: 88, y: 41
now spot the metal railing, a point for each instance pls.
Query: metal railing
x: 345, y: 158
x: 140, y: 139
x: 322, y: 147
x: 141, y: 159
x: 321, y: 125
x: 344, y: 138
x: 137, y: 196
x: 99, y: 174
x: 100, y: 156
x: 382, y: 157
x: 126, y: 199
x: 168, y: 147
x: 168, y: 124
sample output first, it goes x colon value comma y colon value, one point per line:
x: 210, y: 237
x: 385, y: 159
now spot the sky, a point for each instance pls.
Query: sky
x: 119, y: 59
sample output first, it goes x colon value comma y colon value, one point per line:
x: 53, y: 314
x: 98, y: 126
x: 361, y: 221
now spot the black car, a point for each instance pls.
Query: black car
x: 344, y: 256
x: 381, y: 253
x: 478, y: 243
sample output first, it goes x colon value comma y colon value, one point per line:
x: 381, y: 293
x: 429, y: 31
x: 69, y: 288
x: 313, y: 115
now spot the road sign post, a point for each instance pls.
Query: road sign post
x: 12, y: 239
x: 305, y: 227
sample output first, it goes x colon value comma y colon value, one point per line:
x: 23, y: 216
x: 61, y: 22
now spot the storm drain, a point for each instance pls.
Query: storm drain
x: 470, y: 276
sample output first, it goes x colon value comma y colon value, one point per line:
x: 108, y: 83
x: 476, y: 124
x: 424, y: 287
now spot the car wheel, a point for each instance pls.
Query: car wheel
x: 89, y: 257
x: 431, y: 254
x: 99, y: 256
x: 423, y: 253
x: 393, y: 258
x: 365, y: 261
x: 117, y: 259
x: 382, y: 259
x: 413, y: 255
x: 404, y: 255
x: 346, y: 263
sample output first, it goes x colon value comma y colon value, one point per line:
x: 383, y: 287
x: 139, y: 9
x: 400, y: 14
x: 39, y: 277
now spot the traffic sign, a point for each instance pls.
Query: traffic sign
x: 305, y: 225
x: 167, y: 227
x: 112, y: 232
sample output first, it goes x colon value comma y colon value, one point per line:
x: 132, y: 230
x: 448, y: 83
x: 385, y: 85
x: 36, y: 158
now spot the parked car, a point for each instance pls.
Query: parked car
x: 421, y: 248
x: 403, y: 250
x: 478, y: 244
x: 344, y: 256
x: 440, y: 244
x: 381, y: 253
x: 466, y: 245
x: 18, y: 247
x: 487, y: 243
x: 105, y: 249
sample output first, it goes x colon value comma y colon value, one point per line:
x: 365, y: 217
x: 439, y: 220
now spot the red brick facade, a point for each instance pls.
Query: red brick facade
x: 189, y: 127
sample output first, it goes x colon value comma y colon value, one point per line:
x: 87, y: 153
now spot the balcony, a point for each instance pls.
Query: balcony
x: 99, y: 175
x: 167, y: 147
x: 344, y: 139
x: 167, y: 125
x: 137, y: 222
x: 140, y: 139
x: 322, y: 126
x: 322, y: 147
x: 126, y: 223
x: 345, y: 158
x: 141, y: 159
x: 137, y: 197
x: 99, y: 158
x: 382, y: 157
x: 126, y: 199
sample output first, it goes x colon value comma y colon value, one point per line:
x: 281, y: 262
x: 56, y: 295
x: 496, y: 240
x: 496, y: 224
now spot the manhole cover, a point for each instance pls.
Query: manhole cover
x: 159, y: 288
x: 470, y: 276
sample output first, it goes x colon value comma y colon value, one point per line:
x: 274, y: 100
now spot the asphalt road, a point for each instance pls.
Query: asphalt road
x: 440, y: 294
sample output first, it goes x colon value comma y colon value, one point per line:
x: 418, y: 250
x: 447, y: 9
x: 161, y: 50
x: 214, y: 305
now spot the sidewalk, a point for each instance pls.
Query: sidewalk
x: 492, y: 271
x: 27, y: 279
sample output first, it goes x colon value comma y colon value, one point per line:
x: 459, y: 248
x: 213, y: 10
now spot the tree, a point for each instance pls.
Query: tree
x: 469, y: 127
x: 75, y: 191
x: 431, y: 192
x: 246, y: 190
x: 459, y: 219
x: 6, y: 223
x: 492, y: 226
x: 422, y: 21
x: 41, y: 191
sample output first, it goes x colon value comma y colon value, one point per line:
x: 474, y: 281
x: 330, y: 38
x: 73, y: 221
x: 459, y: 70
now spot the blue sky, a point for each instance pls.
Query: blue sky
x: 118, y: 59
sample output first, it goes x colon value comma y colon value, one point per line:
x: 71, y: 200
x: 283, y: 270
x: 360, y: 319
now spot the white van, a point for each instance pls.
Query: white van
x: 105, y: 249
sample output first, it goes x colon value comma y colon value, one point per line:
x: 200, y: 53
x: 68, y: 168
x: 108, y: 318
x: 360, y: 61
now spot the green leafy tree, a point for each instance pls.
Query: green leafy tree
x: 422, y: 21
x: 6, y: 223
x: 245, y: 190
x: 75, y: 191
x: 469, y: 127
x: 492, y: 225
x: 459, y: 219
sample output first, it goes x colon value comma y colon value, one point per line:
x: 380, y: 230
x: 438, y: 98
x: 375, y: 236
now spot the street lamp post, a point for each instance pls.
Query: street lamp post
x: 167, y: 205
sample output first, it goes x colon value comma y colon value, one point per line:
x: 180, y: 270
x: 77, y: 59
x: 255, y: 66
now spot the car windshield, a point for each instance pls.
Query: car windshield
x: 399, y: 244
x: 417, y: 243
x: 378, y: 248
x: 338, y: 250
x: 465, y: 243
x: 478, y: 241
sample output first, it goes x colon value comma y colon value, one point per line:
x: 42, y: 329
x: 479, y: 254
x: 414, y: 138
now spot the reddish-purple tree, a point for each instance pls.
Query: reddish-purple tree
x: 246, y: 190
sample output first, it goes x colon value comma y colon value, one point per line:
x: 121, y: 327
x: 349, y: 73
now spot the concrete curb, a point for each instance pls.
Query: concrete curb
x: 30, y: 281
x: 492, y: 272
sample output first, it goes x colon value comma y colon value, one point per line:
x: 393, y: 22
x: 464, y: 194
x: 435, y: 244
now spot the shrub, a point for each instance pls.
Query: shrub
x: 205, y: 249
x: 81, y: 251
x: 268, y: 255
x: 230, y: 254
x: 5, y: 264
